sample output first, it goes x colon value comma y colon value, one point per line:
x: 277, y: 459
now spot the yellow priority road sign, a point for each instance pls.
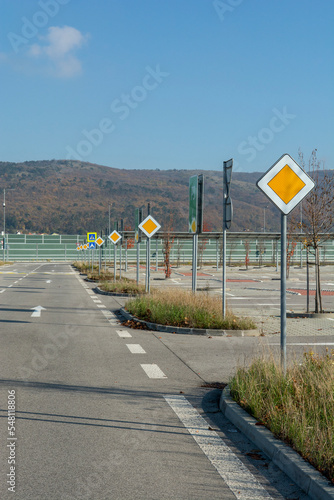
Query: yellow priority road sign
x: 149, y: 226
x: 285, y: 184
x: 115, y: 237
x: 99, y: 241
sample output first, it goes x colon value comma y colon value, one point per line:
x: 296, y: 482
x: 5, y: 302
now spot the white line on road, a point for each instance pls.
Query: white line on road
x: 153, y: 371
x: 235, y: 474
x: 135, y: 348
x: 49, y: 281
x: 331, y: 319
x: 1, y: 291
x: 100, y: 305
x: 10, y: 286
x: 307, y: 343
x: 123, y: 334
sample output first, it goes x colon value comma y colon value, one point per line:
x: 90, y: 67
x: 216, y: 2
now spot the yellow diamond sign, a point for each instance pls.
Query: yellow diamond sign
x: 285, y: 184
x: 99, y: 241
x: 114, y: 237
x: 149, y: 226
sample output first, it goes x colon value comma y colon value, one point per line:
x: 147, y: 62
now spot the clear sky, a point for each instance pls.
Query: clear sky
x: 168, y: 84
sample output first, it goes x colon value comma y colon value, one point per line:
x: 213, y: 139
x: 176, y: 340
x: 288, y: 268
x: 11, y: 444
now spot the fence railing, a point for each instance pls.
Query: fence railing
x: 262, y: 248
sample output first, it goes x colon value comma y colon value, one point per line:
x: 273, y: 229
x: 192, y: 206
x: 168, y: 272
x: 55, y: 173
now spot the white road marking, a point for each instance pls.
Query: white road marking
x: 15, y: 282
x: 153, y: 371
x: 123, y: 334
x: 37, y: 311
x: 100, y: 305
x: 235, y: 474
x: 135, y: 348
x: 331, y: 319
x: 307, y: 343
x: 1, y: 291
x: 10, y: 286
x: 49, y: 281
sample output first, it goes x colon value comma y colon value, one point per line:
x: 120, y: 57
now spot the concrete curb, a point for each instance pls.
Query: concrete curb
x: 114, y: 294
x: 310, y: 315
x: 192, y: 331
x: 289, y: 461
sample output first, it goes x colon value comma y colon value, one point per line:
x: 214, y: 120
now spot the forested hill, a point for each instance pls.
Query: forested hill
x: 72, y: 197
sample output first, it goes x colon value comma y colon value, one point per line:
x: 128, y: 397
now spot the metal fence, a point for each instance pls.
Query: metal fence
x: 263, y: 248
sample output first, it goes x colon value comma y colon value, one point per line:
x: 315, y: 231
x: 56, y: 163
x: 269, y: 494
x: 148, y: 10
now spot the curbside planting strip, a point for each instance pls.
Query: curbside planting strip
x: 192, y: 331
x: 289, y: 461
x: 97, y: 289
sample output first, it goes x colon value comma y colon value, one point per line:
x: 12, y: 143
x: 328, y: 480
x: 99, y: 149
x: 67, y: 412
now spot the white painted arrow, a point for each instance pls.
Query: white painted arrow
x: 37, y: 311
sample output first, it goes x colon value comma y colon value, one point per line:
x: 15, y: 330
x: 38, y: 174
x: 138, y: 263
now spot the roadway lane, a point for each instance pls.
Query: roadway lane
x: 104, y: 412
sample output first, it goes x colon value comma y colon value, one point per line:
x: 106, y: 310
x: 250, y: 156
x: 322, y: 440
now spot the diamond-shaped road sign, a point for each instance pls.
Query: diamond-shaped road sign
x: 115, y: 237
x: 149, y: 226
x: 285, y: 184
x: 99, y: 241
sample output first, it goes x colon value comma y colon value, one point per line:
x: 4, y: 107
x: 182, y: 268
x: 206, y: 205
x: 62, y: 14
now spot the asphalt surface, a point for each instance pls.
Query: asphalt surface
x: 103, y: 412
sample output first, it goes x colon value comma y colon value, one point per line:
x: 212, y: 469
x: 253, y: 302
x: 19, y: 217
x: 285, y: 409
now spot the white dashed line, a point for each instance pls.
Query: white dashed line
x: 236, y: 475
x: 135, y: 349
x: 153, y: 371
x: 100, y: 305
x: 123, y: 334
x: 1, y: 291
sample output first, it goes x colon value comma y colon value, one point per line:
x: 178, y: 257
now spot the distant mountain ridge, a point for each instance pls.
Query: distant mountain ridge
x: 71, y: 197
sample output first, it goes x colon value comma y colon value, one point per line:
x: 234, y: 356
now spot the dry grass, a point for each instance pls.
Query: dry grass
x: 124, y: 285
x: 298, y: 407
x: 182, y: 308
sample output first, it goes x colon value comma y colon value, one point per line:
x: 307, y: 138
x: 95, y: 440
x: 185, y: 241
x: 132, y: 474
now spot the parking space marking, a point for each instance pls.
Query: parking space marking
x: 235, y: 474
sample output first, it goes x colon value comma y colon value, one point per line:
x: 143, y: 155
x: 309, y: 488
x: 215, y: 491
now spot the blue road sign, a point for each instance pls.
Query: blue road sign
x: 92, y: 245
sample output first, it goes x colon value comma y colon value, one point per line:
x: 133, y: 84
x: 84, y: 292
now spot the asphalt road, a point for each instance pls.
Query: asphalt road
x: 103, y: 412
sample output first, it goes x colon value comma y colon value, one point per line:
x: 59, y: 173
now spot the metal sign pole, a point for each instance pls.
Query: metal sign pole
x: 115, y: 256
x: 156, y: 255
x: 194, y: 266
x: 148, y: 263
x: 283, y: 292
x: 137, y: 270
x: 224, y: 272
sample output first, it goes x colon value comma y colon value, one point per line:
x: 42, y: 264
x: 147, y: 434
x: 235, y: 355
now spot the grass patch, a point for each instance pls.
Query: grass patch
x: 298, y: 407
x: 122, y: 286
x: 182, y: 308
x: 83, y: 267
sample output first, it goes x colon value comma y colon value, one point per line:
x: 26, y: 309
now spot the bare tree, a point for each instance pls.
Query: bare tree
x: 167, y: 243
x: 318, y: 215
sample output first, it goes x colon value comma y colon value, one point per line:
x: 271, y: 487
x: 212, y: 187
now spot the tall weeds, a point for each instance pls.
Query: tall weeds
x: 298, y: 407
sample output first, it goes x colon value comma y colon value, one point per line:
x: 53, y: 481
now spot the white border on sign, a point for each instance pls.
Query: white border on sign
x: 119, y: 237
x: 99, y: 238
x: 262, y: 183
x: 149, y: 217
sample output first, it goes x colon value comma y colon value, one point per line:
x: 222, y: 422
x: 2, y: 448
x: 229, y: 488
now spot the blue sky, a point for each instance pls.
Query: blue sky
x: 166, y: 84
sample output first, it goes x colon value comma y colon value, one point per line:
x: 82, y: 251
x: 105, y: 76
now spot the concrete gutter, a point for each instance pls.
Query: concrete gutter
x: 192, y: 331
x: 289, y: 461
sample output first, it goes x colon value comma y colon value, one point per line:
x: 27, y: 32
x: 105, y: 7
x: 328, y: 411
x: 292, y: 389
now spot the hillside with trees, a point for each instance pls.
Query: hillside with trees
x: 72, y: 197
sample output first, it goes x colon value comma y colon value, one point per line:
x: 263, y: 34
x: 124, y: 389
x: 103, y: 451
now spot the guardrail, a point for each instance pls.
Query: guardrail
x: 264, y: 248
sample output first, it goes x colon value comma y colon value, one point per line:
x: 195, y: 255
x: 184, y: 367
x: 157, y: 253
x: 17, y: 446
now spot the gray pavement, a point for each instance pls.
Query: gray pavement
x: 99, y: 419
